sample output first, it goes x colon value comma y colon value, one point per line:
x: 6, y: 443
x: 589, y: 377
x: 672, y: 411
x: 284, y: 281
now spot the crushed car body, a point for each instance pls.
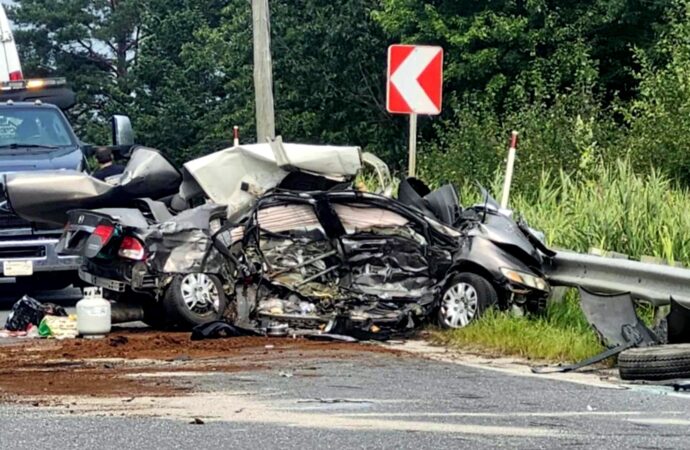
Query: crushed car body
x: 283, y: 221
x: 338, y: 261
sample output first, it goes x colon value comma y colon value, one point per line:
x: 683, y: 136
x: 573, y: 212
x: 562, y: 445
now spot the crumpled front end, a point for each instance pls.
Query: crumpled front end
x: 339, y: 262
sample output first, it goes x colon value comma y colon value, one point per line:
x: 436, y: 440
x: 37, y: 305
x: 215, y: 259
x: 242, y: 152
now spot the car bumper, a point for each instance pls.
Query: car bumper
x: 41, y: 253
x: 105, y: 283
x: 119, y: 277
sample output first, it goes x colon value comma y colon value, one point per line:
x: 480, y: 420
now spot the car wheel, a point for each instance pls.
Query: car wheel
x: 464, y: 298
x: 155, y: 315
x: 193, y: 299
x: 662, y: 362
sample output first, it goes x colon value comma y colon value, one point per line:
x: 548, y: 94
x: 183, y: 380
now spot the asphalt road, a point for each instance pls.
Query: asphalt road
x: 381, y: 402
x: 373, y: 401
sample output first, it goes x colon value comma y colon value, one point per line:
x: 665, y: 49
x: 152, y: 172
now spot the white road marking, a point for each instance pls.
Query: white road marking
x: 661, y: 421
x: 514, y: 414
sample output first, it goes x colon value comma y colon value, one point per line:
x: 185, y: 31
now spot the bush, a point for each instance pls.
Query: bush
x: 571, y: 134
x: 614, y: 209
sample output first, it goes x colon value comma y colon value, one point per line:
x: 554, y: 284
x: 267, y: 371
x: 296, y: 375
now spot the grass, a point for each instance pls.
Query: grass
x: 613, y: 209
x: 563, y: 335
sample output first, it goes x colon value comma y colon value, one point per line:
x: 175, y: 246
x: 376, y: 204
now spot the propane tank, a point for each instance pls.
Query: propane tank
x: 93, y: 314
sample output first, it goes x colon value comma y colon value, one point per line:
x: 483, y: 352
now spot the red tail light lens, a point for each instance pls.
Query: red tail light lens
x: 16, y: 75
x: 131, y: 248
x: 104, y: 233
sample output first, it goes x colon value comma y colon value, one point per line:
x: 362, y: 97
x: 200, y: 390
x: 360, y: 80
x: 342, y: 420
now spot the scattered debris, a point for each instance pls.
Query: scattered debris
x: 141, y: 368
x: 28, y: 311
x: 117, y: 341
x: 219, y: 329
x: 58, y: 327
x: 662, y: 362
x: 327, y: 337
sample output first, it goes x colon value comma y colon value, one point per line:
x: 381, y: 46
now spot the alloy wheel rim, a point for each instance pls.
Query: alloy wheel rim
x: 459, y: 305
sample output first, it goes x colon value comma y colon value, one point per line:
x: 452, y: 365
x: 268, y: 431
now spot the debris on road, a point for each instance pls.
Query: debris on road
x: 663, y: 362
x: 58, y: 327
x: 140, y: 362
x: 93, y: 314
x: 27, y: 312
x: 219, y: 329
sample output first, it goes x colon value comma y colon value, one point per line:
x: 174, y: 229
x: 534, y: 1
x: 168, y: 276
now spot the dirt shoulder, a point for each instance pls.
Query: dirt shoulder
x: 117, y: 365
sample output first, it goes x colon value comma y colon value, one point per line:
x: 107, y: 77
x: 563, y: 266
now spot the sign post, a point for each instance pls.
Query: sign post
x: 415, y: 79
x: 412, y: 160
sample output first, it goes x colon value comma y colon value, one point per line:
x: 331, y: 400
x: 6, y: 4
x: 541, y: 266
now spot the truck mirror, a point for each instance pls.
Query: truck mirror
x: 87, y: 150
x: 123, y: 135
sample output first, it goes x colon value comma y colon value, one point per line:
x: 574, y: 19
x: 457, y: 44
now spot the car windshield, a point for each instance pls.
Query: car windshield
x: 33, y: 127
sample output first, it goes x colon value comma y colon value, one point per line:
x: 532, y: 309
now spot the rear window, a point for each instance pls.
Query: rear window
x: 33, y: 126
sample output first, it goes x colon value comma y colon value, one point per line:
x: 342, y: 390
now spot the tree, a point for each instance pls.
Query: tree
x: 94, y: 43
x: 519, y: 51
x: 658, y: 117
x: 329, y: 75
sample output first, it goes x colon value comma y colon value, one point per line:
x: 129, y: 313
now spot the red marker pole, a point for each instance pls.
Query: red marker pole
x: 509, y: 169
x: 235, y: 136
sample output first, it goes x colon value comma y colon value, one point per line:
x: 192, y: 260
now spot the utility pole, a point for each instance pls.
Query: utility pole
x: 263, y: 71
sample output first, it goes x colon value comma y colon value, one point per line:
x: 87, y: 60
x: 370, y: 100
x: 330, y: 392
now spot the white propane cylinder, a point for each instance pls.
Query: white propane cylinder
x: 93, y: 314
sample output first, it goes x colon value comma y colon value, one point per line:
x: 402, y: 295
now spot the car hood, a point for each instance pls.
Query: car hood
x: 28, y: 160
x: 504, y: 232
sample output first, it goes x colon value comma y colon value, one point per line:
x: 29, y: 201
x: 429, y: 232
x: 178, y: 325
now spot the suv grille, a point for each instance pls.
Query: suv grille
x: 9, y: 220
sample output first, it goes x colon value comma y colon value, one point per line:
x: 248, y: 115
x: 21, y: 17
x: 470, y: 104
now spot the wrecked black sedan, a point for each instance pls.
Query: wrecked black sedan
x: 274, y: 236
x: 362, y: 264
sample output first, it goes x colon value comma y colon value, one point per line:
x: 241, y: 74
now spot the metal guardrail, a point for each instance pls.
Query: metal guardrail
x: 654, y: 283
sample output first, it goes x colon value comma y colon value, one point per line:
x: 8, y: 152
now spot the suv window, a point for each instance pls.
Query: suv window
x: 33, y: 126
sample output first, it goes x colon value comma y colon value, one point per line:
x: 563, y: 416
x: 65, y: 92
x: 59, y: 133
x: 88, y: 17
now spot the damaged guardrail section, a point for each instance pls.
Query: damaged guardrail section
x: 654, y: 283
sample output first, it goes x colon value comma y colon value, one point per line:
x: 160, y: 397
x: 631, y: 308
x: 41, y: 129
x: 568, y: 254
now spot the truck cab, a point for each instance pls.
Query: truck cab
x: 35, y: 135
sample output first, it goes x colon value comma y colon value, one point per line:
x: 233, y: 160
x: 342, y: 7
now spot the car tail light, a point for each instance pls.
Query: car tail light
x: 16, y: 75
x: 131, y: 248
x: 103, y: 233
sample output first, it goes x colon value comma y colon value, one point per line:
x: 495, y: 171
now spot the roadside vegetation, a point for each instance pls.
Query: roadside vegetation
x: 612, y: 209
x: 561, y: 335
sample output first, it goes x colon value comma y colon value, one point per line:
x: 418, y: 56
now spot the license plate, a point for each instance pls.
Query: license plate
x: 18, y: 268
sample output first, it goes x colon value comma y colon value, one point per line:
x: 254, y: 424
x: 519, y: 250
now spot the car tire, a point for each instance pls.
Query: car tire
x: 155, y: 315
x: 194, y: 299
x: 662, y: 362
x: 463, y: 299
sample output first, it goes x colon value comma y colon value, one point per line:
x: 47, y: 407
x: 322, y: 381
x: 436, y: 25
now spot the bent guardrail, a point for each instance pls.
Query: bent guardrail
x: 654, y: 283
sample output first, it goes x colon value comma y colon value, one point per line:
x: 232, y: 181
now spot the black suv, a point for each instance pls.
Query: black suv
x: 35, y: 135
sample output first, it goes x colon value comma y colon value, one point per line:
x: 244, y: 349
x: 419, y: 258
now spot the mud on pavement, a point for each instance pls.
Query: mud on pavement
x: 135, y: 363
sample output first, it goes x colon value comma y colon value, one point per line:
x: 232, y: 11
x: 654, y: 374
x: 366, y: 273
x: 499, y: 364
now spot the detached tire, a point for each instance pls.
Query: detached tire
x: 663, y: 362
x: 194, y: 299
x: 155, y: 315
x: 464, y: 298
